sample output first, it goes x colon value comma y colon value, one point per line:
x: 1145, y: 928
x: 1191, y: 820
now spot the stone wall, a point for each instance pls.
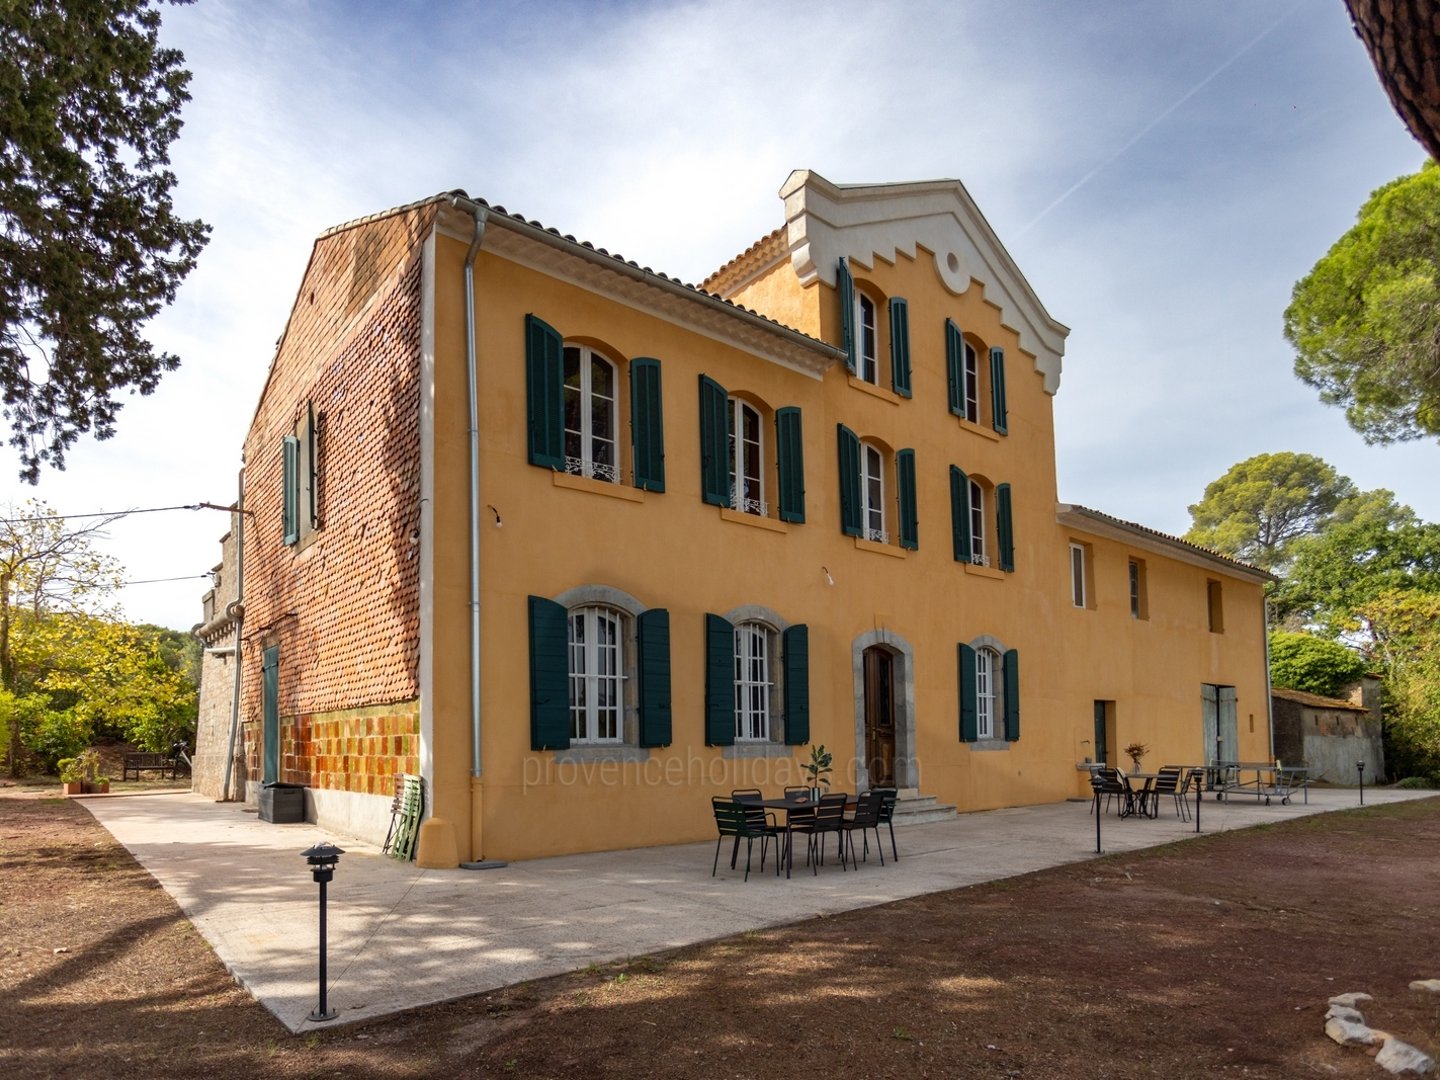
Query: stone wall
x: 217, y: 676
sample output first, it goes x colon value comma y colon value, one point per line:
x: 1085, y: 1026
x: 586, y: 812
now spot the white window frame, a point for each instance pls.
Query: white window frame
x: 867, y: 337
x: 754, y: 681
x: 872, y: 510
x: 747, y: 493
x: 971, y: 368
x: 978, y: 554
x: 1077, y: 576
x: 596, y: 672
x: 985, y: 696
x: 585, y: 464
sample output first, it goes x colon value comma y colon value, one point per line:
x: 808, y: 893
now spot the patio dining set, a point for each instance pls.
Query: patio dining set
x: 1139, y: 794
x: 747, y: 814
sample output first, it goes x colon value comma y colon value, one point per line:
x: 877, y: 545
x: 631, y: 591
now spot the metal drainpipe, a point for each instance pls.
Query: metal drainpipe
x: 480, y: 214
x: 236, y: 609
x: 1269, y: 695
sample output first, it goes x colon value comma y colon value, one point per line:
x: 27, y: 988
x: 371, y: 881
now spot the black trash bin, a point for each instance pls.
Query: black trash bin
x: 282, y: 804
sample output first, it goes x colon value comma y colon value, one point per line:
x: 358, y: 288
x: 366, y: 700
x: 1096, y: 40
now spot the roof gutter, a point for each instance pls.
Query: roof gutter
x: 617, y: 265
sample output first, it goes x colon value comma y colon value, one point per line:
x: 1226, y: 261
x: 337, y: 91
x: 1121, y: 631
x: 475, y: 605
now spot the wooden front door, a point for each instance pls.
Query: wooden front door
x: 880, y: 716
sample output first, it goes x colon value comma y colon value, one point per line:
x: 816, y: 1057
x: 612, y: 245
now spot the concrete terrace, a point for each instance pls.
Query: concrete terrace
x: 401, y: 936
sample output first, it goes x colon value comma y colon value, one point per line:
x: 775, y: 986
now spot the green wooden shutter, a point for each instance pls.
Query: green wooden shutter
x: 714, y: 443
x: 549, y: 675
x: 845, y: 284
x: 719, y: 681
x: 959, y: 514
x: 790, y: 463
x: 652, y: 629
x: 311, y: 501
x: 544, y: 393
x: 647, y: 426
x: 1004, y: 529
x: 905, y: 481
x: 290, y: 513
x: 969, y: 726
x: 955, y: 366
x: 849, y: 452
x: 900, y: 346
x: 270, y: 717
x: 1012, y: 695
x: 796, y: 644
x: 997, y: 390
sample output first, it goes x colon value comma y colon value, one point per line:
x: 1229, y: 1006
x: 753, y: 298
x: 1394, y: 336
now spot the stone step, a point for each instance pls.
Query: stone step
x: 916, y: 809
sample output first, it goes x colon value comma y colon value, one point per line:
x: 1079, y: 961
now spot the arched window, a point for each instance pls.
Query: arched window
x: 987, y: 664
x: 747, y: 486
x: 591, y: 414
x: 597, y: 665
x: 754, y: 681
x: 867, y: 339
x: 979, y: 551
x: 872, y: 494
x: 972, y: 384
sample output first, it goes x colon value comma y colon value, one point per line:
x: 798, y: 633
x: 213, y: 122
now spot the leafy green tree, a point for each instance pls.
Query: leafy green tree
x: 1405, y: 631
x: 90, y: 245
x: 1264, y: 503
x: 1314, y: 664
x: 1365, y: 322
x: 1333, y: 575
x: 47, y: 567
x: 120, y: 682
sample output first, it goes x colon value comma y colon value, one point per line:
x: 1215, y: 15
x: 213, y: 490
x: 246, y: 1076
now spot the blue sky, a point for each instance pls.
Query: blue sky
x: 1162, y: 172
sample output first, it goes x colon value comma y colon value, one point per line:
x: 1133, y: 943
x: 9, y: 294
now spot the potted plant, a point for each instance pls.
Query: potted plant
x: 72, y: 775
x: 1135, y: 752
x: 818, y: 768
x: 87, y: 765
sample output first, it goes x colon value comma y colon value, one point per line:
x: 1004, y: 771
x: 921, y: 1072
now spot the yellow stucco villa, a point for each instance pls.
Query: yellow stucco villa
x: 582, y: 545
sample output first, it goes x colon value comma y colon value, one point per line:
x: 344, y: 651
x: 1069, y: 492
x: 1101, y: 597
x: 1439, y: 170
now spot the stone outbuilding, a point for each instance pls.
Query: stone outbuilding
x: 1331, y: 735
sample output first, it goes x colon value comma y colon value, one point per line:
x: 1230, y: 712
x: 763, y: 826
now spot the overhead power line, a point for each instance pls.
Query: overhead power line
x: 116, y: 513
x: 158, y: 580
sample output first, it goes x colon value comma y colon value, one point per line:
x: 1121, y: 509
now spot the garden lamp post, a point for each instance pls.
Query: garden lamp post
x: 1360, y: 766
x: 323, y: 858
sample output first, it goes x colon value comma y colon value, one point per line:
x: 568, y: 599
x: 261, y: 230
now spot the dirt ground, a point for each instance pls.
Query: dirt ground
x: 1210, y: 958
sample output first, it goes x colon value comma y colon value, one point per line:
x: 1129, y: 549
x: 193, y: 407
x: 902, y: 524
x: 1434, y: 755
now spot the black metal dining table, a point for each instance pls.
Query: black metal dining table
x: 787, y: 805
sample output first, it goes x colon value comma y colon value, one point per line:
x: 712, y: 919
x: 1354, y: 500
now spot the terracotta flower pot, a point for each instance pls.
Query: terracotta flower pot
x: 73, y: 787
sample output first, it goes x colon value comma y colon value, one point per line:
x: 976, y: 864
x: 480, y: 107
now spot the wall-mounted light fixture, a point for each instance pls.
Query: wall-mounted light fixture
x: 828, y: 579
x: 498, y: 522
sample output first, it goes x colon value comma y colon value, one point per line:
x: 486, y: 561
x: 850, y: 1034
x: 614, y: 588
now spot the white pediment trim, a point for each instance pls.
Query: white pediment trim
x: 826, y: 222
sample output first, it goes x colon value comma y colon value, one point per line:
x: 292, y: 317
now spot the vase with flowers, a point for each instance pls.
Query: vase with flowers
x: 1136, y: 752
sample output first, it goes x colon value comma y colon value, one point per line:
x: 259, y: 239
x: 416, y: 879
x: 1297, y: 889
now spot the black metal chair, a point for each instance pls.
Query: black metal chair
x: 758, y: 814
x: 734, y: 819
x: 1167, y: 782
x: 888, y: 796
x: 865, y: 818
x: 1110, y: 782
x: 828, y: 817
